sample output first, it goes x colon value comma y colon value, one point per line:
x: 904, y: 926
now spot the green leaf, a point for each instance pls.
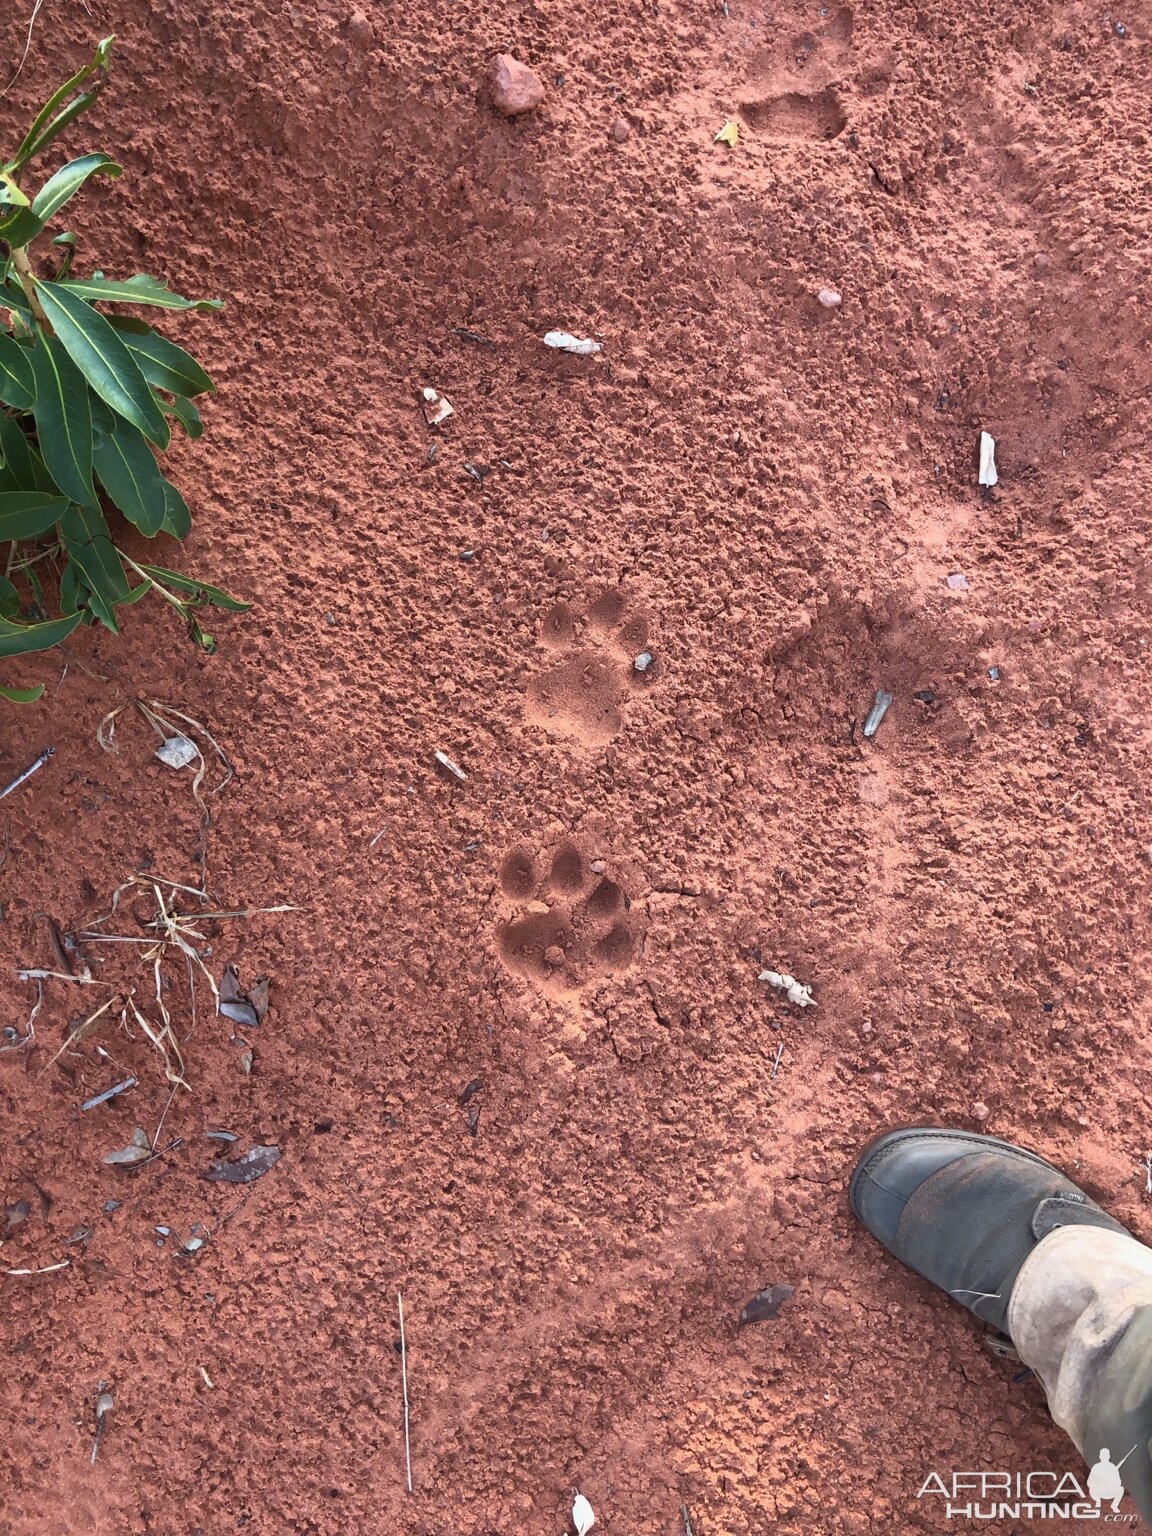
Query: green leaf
x: 39, y: 608
x: 42, y: 132
x: 67, y: 182
x: 89, y: 545
x: 103, y: 359
x: 17, y: 381
x: 19, y: 639
x: 9, y: 599
x: 127, y: 469
x: 63, y: 420
x: 177, y: 518
x: 201, y: 591
x: 20, y: 226
x: 162, y: 362
x: 140, y: 289
x: 200, y: 637
x: 72, y: 589
x: 22, y: 695
x: 11, y: 195
x: 185, y: 413
x: 15, y: 297
x: 23, y: 467
x: 28, y: 514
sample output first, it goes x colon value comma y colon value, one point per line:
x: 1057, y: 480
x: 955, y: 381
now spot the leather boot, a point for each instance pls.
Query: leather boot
x: 965, y: 1211
x: 975, y: 1216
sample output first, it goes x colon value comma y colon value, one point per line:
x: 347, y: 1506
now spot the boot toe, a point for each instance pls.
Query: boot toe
x: 894, y: 1166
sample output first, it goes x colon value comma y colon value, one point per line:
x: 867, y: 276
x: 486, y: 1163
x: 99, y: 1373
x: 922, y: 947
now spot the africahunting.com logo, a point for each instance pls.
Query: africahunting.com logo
x: 1030, y: 1495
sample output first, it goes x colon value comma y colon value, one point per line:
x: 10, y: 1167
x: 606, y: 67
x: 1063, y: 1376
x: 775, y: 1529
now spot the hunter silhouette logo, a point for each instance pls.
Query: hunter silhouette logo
x: 1032, y: 1495
x: 1104, y: 1484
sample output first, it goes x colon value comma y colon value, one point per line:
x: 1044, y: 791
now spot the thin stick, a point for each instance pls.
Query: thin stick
x: 687, y: 1518
x: 47, y: 1270
x: 77, y: 1034
x: 167, y: 1107
x: 22, y: 778
x: 404, y: 1379
x: 776, y: 1063
x: 38, y: 973
x: 27, y: 44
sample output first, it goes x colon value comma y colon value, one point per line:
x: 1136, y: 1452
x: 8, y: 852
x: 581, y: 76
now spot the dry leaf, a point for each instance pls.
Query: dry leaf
x: 177, y: 751
x: 729, y: 134
x: 137, y: 1151
x: 240, y: 1012
x: 766, y: 1305
x: 564, y: 341
x: 582, y: 1516
x: 245, y: 1170
x: 16, y: 1214
x: 258, y: 997
x: 437, y: 407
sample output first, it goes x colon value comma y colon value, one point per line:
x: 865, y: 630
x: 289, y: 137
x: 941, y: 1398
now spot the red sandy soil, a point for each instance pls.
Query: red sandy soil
x: 769, y: 496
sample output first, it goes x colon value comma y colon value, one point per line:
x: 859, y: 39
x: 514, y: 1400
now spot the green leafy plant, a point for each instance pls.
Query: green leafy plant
x: 86, y: 396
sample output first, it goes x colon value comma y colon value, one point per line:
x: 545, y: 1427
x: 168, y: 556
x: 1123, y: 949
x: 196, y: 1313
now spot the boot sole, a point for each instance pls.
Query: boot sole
x: 875, y: 1150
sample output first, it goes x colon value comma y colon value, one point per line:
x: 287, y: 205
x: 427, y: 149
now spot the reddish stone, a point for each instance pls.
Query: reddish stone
x: 514, y: 87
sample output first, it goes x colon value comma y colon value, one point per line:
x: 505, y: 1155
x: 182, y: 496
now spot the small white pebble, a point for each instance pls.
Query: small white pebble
x: 980, y: 1111
x: 829, y: 298
x: 453, y: 768
x: 987, y: 474
x: 642, y: 662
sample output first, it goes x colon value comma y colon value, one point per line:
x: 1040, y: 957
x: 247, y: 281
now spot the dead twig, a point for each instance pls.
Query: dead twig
x: 38, y: 973
x: 105, y: 1403
x: 162, y: 1039
x: 404, y: 1380
x: 36, y: 9
x: 152, y: 713
x: 47, y: 1270
x: 22, y: 778
x: 77, y: 1034
x: 687, y: 1519
x: 29, y: 1035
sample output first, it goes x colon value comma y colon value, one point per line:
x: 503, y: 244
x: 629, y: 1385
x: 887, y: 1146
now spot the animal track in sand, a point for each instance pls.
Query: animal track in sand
x: 580, y: 694
x: 570, y: 922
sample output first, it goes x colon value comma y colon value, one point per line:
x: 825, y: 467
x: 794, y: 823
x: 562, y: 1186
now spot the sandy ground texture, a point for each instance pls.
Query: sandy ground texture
x: 517, y: 1060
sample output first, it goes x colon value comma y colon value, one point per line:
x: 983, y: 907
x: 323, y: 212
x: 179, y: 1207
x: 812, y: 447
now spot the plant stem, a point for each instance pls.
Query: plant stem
x: 28, y: 282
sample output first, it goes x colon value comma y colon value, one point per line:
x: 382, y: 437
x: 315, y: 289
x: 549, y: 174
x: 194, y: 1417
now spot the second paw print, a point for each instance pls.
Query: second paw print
x: 595, y: 656
x: 572, y: 922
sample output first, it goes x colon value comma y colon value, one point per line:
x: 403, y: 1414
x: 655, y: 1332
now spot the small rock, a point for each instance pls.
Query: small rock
x: 620, y: 131
x: 829, y: 298
x: 360, y: 29
x: 957, y: 582
x: 980, y: 1111
x: 514, y: 87
x: 642, y: 662
x: 554, y: 955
